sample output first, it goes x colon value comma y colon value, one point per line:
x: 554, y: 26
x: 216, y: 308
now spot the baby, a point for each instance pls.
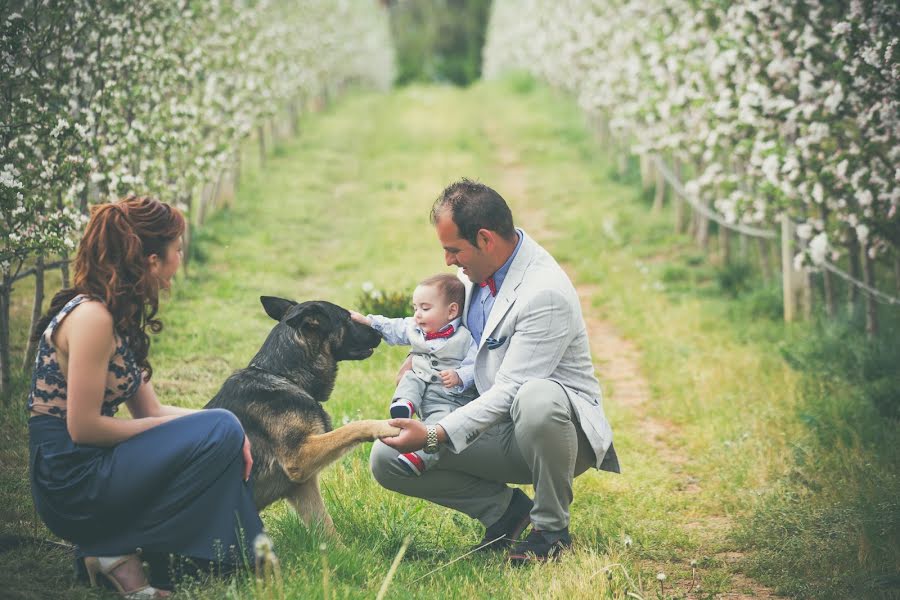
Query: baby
x: 443, y: 357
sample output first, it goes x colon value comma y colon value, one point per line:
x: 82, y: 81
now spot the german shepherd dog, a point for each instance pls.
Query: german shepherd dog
x: 278, y: 399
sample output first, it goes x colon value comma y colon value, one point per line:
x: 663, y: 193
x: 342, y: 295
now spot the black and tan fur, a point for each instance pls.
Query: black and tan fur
x: 278, y: 399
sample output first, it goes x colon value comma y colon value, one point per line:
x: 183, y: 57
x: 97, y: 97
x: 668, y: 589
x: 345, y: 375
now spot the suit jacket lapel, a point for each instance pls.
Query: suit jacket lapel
x: 507, y: 295
x: 470, y: 287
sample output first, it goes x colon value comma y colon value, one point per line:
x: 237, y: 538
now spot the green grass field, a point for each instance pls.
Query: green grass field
x: 712, y: 492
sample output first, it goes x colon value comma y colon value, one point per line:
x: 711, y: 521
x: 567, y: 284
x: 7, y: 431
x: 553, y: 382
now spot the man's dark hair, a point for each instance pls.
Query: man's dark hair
x: 474, y: 206
x: 449, y: 287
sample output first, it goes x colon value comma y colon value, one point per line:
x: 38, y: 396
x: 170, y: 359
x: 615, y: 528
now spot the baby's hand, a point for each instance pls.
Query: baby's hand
x: 360, y: 318
x: 450, y: 378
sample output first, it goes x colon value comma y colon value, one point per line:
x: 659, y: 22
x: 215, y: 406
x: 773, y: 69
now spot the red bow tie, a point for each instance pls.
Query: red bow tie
x: 443, y: 333
x: 489, y: 282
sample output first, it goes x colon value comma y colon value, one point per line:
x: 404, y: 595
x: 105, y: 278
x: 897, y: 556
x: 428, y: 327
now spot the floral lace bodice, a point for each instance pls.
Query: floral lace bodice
x: 48, y: 383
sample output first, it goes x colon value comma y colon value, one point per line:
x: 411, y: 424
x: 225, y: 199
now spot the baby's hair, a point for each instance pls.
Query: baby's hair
x: 449, y: 286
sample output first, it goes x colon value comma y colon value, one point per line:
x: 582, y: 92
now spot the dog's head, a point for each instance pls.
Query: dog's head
x: 324, y: 326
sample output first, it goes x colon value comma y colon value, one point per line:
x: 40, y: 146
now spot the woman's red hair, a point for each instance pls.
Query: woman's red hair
x: 112, y: 265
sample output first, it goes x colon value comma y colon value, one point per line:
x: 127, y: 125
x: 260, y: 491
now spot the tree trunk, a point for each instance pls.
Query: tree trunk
x: 217, y: 190
x: 871, y: 304
x: 646, y: 174
x: 622, y: 163
x: 64, y: 269
x: 897, y: 273
x: 83, y: 199
x: 806, y: 293
x: 237, y: 169
x: 827, y: 277
x: 187, y: 238
x: 854, y: 268
x: 677, y: 201
x: 724, y: 245
x: 295, y: 118
x: 36, y: 312
x: 659, y: 197
x: 261, y: 134
x: 765, y: 259
x: 5, y: 292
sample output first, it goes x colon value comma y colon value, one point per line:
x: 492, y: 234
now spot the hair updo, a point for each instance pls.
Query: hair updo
x: 112, y: 265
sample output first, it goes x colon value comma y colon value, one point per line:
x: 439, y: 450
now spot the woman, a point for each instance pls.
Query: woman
x: 168, y: 481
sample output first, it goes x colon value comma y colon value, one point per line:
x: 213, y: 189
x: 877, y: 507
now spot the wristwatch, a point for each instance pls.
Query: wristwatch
x: 431, y: 439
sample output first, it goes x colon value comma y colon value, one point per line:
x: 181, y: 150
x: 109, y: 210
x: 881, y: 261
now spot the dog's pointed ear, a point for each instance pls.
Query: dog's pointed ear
x: 276, y: 307
x: 311, y: 317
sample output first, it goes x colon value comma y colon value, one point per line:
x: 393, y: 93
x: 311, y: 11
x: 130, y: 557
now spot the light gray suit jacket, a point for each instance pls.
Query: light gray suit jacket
x: 535, y: 330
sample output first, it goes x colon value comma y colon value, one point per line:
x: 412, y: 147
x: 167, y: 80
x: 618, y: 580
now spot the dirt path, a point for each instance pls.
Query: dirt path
x: 617, y: 360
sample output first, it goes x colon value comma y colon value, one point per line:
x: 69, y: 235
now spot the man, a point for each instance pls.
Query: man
x: 538, y: 418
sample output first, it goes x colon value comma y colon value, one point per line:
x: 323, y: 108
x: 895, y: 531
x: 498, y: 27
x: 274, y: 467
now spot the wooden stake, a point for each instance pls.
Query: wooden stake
x: 787, y: 268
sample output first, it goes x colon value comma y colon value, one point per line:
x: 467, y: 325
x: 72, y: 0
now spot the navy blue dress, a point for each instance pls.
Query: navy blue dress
x: 175, y: 489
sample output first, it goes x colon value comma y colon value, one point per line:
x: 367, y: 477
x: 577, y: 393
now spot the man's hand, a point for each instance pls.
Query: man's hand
x: 412, y: 435
x: 248, y: 459
x: 406, y: 366
x: 355, y: 316
x: 450, y: 378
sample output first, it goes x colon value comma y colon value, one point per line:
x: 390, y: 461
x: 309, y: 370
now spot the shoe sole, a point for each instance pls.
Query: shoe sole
x: 530, y: 557
x: 401, y: 412
x: 518, y: 560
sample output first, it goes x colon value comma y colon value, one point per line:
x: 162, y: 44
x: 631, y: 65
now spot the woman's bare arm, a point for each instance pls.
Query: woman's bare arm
x: 146, y: 404
x: 87, y: 336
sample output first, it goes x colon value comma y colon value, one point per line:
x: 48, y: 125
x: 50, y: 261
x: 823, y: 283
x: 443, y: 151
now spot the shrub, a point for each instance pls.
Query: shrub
x: 388, y: 304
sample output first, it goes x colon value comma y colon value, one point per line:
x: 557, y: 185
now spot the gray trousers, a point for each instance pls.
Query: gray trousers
x: 541, y: 444
x: 432, y: 402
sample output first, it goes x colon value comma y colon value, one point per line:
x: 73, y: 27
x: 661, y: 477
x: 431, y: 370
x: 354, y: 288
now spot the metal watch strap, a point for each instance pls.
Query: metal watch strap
x: 431, y: 439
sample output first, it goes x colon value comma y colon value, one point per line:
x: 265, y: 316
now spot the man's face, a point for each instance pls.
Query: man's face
x: 474, y: 261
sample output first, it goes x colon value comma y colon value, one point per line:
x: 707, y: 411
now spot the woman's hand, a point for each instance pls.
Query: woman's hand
x: 248, y: 458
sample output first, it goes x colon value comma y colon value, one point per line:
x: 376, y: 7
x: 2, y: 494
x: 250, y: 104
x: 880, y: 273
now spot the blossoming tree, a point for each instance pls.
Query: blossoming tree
x: 102, y: 99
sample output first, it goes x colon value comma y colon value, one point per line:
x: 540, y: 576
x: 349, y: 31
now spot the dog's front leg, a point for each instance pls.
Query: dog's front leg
x: 319, y: 451
x: 307, y: 501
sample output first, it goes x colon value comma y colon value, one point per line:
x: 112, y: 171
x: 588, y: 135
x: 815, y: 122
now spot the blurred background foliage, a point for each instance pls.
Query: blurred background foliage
x: 439, y: 40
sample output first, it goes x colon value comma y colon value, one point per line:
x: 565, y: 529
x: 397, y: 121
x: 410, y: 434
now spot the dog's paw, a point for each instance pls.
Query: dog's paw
x: 381, y: 429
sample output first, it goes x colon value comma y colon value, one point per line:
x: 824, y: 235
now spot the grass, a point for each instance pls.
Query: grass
x: 347, y: 202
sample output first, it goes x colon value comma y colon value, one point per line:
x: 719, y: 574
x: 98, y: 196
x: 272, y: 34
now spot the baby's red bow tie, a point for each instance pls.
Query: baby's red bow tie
x: 489, y: 282
x: 443, y: 333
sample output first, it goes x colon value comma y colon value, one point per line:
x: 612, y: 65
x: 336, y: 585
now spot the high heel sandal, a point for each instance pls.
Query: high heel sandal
x: 94, y: 568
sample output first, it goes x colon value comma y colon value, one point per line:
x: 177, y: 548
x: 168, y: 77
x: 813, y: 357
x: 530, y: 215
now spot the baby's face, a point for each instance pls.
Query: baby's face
x: 431, y: 310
